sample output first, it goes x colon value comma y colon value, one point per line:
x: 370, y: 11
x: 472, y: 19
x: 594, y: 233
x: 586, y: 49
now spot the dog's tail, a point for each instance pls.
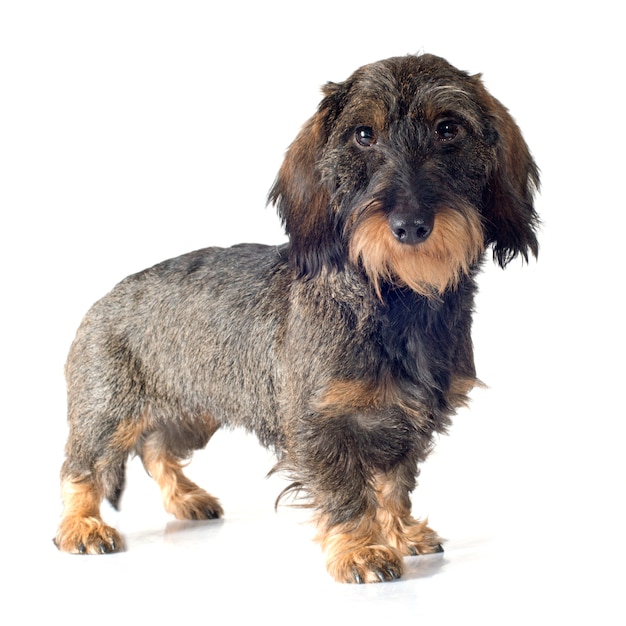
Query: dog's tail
x: 114, y: 481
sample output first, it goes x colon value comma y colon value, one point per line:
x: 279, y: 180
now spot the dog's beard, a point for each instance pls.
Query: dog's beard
x: 428, y: 268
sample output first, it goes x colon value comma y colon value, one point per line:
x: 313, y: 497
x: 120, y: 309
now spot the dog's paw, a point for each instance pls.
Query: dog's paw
x: 423, y: 540
x: 416, y: 538
x: 194, y: 505
x: 371, y: 564
x: 87, y: 535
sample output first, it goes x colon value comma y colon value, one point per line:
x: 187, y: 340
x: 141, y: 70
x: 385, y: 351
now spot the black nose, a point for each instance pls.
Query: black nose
x: 409, y: 229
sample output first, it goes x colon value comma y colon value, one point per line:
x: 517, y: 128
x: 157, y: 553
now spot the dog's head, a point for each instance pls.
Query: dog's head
x: 410, y: 169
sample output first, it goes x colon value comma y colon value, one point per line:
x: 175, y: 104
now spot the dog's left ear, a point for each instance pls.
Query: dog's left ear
x: 302, y: 196
x: 510, y: 217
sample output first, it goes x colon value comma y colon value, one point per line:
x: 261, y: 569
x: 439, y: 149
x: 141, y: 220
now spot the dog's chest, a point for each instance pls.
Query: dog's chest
x: 420, y: 340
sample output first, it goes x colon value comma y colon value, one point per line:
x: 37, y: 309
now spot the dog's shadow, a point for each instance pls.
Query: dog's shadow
x: 191, y: 531
x: 424, y: 566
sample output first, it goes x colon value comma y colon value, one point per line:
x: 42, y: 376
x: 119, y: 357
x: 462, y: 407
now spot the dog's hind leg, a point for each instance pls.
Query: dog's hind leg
x: 181, y: 497
x: 94, y: 469
x: 82, y: 530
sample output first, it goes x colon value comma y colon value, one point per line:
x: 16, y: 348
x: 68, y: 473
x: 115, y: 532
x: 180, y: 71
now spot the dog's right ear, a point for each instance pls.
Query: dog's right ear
x: 302, y: 196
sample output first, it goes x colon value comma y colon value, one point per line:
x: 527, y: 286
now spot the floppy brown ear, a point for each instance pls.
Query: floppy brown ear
x: 302, y: 196
x: 510, y: 217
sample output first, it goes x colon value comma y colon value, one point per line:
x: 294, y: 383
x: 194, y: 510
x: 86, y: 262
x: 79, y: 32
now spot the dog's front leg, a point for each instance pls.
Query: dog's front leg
x: 359, y: 465
x: 356, y: 550
x: 371, y: 545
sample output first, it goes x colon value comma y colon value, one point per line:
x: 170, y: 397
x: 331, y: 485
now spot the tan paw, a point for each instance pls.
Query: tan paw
x: 418, y: 538
x: 371, y: 564
x: 87, y: 535
x: 194, y: 505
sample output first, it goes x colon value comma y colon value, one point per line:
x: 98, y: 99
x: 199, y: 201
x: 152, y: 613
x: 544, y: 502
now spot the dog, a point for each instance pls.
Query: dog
x: 344, y: 350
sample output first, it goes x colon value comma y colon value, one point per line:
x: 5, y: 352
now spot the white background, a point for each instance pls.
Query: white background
x: 131, y: 132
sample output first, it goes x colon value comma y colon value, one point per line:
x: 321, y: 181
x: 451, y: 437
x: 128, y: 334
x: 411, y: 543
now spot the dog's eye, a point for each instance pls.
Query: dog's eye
x: 447, y: 130
x: 365, y: 136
